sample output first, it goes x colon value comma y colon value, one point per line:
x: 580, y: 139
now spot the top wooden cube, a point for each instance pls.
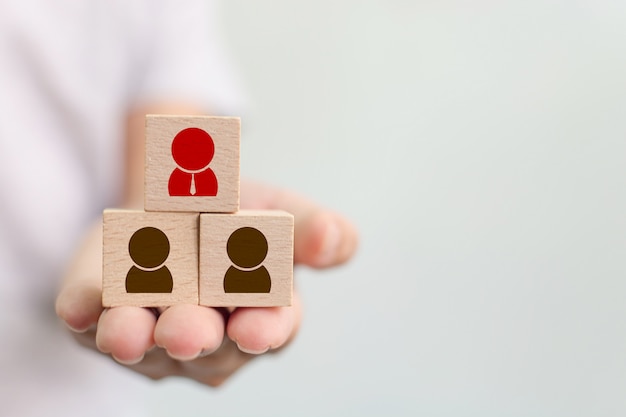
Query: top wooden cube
x: 192, y: 164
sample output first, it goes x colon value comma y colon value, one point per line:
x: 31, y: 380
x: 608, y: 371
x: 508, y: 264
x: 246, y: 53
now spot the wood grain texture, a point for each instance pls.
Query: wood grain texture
x: 124, y: 264
x: 237, y: 262
x: 161, y: 166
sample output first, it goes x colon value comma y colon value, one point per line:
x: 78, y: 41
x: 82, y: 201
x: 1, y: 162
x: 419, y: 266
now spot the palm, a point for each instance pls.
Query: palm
x: 202, y: 343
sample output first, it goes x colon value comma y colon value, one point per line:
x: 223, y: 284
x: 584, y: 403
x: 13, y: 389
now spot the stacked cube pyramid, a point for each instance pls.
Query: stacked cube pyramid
x: 192, y: 244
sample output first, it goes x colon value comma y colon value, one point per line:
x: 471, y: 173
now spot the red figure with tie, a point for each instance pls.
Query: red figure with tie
x: 192, y: 150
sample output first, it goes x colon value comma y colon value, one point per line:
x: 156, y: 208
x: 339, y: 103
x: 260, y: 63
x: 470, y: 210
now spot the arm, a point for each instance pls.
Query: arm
x: 202, y: 343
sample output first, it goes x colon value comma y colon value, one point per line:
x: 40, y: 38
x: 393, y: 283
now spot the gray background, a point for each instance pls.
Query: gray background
x: 480, y: 148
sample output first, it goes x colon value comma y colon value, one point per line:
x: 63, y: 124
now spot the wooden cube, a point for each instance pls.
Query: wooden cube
x: 192, y: 164
x: 149, y: 259
x: 246, y: 259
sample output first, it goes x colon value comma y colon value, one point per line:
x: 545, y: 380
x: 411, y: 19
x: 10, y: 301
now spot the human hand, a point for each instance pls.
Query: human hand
x: 202, y: 343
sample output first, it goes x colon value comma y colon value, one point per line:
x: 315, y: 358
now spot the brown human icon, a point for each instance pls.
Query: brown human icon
x: 192, y: 150
x: 247, y: 248
x: 149, y: 248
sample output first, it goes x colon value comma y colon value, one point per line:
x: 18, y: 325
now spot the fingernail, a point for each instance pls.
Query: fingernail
x: 331, y: 244
x: 75, y: 330
x: 183, y: 358
x: 128, y: 362
x: 204, y: 353
x: 252, y: 351
x: 207, y: 352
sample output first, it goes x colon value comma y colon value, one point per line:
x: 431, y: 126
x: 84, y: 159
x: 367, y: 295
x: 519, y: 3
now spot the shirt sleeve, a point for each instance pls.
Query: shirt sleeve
x: 186, y: 60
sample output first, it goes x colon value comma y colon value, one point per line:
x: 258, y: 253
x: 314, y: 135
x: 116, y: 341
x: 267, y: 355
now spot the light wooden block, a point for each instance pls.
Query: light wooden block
x: 173, y: 159
x: 236, y: 268
x: 145, y: 252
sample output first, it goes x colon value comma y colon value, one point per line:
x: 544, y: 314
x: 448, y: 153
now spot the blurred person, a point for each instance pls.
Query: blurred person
x: 76, y: 80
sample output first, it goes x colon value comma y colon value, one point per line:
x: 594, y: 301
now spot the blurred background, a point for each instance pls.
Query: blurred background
x: 480, y: 148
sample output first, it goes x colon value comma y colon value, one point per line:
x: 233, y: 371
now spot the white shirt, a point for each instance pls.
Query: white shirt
x: 69, y: 72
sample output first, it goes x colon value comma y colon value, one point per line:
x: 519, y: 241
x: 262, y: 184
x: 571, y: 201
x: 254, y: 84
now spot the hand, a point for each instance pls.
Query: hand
x: 201, y: 343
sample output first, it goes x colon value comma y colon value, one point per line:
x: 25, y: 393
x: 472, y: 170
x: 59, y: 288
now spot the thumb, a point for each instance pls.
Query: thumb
x: 322, y: 237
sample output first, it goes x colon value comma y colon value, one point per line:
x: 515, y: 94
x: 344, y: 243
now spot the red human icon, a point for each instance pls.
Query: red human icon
x: 192, y: 150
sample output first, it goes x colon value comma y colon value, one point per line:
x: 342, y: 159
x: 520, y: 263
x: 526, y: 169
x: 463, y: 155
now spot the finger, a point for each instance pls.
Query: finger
x: 79, y: 305
x: 79, y: 302
x: 322, y: 238
x: 186, y: 331
x: 256, y: 330
x: 126, y: 333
